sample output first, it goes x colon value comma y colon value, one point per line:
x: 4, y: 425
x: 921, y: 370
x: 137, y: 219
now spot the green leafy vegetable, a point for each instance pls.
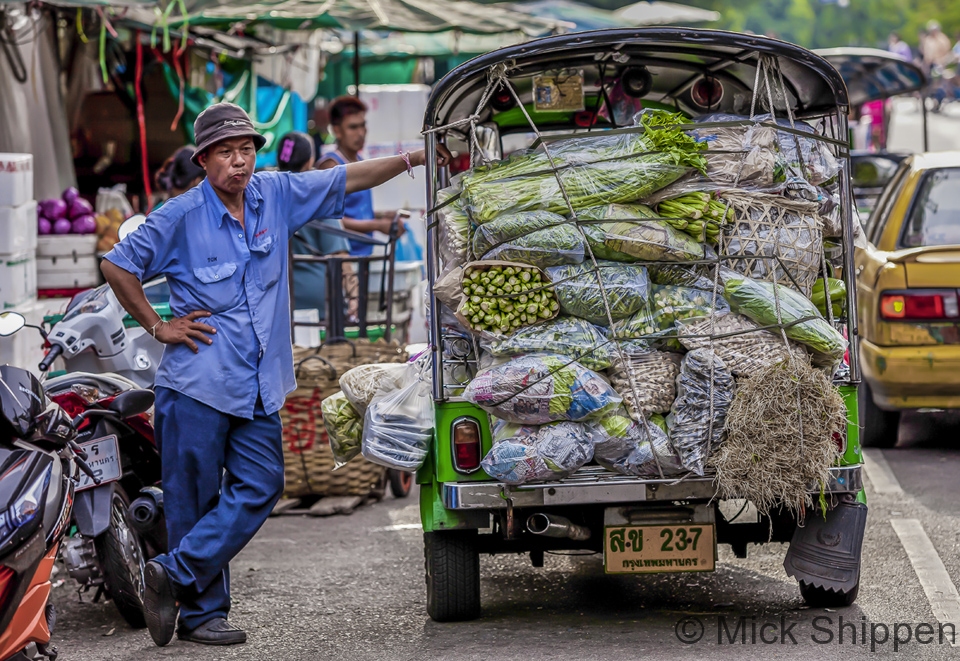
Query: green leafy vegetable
x: 539, y: 238
x: 577, y: 287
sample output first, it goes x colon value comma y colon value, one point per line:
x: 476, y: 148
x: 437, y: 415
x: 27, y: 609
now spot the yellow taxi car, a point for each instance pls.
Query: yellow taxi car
x: 908, y: 290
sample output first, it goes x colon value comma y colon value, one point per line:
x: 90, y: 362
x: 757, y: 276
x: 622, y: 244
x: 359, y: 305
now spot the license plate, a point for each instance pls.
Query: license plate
x: 103, y: 456
x: 659, y: 549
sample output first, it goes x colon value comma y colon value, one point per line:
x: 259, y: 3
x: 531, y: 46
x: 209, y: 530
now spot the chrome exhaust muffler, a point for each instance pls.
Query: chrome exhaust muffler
x: 551, y: 525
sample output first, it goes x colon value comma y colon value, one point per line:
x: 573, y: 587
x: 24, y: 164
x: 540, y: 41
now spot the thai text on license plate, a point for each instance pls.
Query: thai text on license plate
x: 103, y: 456
x: 655, y: 549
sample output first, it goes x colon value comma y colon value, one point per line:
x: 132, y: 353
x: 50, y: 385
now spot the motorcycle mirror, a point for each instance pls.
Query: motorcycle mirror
x: 10, y: 323
x: 130, y: 225
x: 130, y: 403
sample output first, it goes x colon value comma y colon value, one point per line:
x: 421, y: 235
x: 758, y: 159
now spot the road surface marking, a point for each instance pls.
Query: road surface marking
x: 879, y: 473
x: 940, y: 590
x: 398, y: 526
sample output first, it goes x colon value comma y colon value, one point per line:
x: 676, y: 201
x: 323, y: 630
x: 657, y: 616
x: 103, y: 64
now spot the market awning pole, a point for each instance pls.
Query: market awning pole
x: 356, y: 61
x: 923, y: 110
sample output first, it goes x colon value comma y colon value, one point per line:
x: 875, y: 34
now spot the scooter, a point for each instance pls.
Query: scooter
x: 111, y: 546
x: 40, y: 465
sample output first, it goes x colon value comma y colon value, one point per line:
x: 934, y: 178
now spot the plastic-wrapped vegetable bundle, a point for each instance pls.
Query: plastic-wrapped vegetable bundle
x: 361, y: 384
x: 538, y: 453
x: 541, y: 388
x: 454, y: 230
x: 646, y: 379
x: 539, y: 238
x: 595, y: 169
x: 667, y: 305
x: 500, y: 297
x: 704, y: 393
x: 567, y: 336
x: 596, y: 233
x: 646, y: 240
x: 577, y: 287
x: 398, y: 425
x: 736, y: 341
x: 758, y: 301
x: 344, y: 426
x: 634, y: 448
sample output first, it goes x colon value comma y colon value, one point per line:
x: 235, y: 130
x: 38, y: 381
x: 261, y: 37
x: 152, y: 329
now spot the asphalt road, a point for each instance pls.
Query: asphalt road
x: 352, y: 587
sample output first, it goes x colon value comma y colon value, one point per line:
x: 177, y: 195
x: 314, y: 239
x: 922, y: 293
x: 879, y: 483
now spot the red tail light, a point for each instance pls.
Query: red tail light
x: 467, y: 451
x: 920, y: 305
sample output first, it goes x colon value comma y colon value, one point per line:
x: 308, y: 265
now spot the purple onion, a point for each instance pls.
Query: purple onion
x: 79, y: 207
x: 70, y: 195
x: 85, y: 225
x: 53, y: 209
x: 62, y: 226
x: 44, y: 226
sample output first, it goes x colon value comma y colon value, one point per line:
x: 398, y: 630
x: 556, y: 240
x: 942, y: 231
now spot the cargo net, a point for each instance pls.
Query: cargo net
x: 623, y: 306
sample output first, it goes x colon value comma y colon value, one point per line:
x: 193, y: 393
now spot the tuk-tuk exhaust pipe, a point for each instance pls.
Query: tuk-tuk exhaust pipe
x: 551, y: 525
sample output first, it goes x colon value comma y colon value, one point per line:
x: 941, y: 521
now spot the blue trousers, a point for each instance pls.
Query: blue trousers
x: 222, y: 475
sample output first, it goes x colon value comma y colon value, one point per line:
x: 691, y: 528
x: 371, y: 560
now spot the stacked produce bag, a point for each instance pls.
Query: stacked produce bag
x: 649, y: 272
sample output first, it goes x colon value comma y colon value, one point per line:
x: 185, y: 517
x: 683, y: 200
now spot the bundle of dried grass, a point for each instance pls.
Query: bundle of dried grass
x: 780, y: 437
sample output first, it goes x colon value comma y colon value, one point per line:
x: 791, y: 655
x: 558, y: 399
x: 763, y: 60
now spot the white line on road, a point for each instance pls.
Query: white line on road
x: 940, y: 590
x: 879, y: 473
x: 398, y: 526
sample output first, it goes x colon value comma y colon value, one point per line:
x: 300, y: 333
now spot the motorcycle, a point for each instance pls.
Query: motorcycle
x: 112, y: 542
x: 40, y: 466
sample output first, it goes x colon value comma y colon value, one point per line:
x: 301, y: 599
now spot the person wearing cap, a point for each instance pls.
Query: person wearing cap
x: 295, y: 154
x: 228, y: 361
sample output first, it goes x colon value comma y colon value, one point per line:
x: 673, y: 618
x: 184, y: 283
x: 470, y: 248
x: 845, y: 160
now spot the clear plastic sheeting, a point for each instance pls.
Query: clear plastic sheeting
x: 575, y: 338
x: 646, y: 378
x: 538, y: 453
x: 668, y: 305
x: 344, y: 425
x: 539, y: 238
x: 634, y: 448
x: 705, y: 390
x: 362, y: 383
x: 582, y: 288
x: 541, y: 388
x: 742, y: 346
x: 398, y: 425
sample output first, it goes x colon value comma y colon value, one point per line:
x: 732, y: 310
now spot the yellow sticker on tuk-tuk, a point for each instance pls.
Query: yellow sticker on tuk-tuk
x: 657, y: 549
x: 562, y: 92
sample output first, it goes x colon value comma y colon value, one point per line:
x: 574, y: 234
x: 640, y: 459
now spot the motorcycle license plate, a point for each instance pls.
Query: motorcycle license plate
x: 659, y: 549
x: 103, y: 456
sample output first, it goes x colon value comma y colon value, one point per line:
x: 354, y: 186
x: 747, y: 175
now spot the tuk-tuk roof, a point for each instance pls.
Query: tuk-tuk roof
x: 872, y: 74
x: 675, y: 56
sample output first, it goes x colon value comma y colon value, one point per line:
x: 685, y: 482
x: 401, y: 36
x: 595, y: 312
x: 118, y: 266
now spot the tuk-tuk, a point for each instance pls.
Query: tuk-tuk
x: 537, y: 94
x: 876, y: 75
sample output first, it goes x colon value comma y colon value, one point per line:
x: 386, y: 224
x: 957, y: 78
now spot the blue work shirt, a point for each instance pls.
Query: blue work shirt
x: 239, y: 274
x: 359, y: 206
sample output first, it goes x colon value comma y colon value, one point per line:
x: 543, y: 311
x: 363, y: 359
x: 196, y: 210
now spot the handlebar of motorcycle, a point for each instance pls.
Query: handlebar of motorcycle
x: 51, y: 356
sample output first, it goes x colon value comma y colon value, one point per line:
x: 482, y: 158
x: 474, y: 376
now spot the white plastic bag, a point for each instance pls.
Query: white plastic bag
x: 398, y: 424
x: 362, y: 383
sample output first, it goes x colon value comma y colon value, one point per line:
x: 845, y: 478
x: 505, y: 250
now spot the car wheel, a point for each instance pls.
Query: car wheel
x: 878, y: 428
x: 453, y: 575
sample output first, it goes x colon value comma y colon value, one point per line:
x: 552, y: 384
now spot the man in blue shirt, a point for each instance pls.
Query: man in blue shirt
x: 228, y: 363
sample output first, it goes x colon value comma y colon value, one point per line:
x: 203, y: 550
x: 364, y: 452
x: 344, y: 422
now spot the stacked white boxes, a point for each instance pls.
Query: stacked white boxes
x: 68, y: 261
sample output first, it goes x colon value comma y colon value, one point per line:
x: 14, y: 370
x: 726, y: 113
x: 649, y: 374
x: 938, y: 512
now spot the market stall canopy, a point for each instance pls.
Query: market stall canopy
x: 665, y: 13
x: 580, y: 16
x: 101, y: 3
x: 388, y: 15
x: 872, y: 74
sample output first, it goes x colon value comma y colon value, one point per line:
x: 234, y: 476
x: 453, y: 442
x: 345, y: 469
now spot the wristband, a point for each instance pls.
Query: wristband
x: 153, y: 330
x: 406, y: 159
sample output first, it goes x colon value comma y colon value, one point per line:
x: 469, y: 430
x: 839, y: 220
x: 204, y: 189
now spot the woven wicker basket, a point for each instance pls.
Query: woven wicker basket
x: 308, y: 460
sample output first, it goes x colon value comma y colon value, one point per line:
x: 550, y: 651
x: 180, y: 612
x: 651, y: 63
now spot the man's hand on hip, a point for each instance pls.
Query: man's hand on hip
x: 182, y: 329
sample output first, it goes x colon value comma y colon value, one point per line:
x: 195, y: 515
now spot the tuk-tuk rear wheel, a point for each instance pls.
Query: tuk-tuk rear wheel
x: 453, y: 575
x: 817, y: 597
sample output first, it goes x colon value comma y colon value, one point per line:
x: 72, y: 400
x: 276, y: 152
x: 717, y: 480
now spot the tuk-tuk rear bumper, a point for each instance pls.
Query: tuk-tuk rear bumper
x: 594, y: 485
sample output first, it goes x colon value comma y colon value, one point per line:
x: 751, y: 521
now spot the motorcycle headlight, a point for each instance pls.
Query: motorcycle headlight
x: 26, y: 507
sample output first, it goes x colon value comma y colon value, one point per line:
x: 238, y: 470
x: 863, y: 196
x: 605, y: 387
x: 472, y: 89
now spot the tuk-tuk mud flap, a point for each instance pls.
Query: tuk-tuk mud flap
x: 825, y: 553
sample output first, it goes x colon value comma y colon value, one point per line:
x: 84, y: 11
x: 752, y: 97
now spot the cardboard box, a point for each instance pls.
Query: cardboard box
x: 18, y: 279
x: 16, y: 179
x: 18, y: 228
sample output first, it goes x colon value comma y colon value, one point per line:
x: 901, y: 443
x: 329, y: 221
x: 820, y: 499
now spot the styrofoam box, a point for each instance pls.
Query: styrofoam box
x: 67, y: 245
x: 406, y: 276
x: 25, y: 348
x: 67, y: 271
x: 306, y: 336
x: 18, y: 279
x: 18, y: 228
x: 16, y: 179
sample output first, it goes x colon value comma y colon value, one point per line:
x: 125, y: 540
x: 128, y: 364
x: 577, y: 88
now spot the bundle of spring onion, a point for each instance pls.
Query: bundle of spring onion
x: 698, y: 214
x: 594, y: 170
x: 502, y: 298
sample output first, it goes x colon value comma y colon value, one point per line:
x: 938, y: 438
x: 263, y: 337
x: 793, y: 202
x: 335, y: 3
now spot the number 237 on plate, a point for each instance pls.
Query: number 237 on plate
x: 656, y: 549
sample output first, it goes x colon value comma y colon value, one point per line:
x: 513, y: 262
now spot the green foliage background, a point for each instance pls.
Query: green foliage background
x: 813, y: 24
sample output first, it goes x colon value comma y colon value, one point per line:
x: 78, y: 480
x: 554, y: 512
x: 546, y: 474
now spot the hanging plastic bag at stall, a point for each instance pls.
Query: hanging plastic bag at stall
x: 398, y: 424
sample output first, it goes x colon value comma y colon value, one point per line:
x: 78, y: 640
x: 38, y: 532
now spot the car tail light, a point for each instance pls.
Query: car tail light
x: 466, y: 445
x: 920, y: 305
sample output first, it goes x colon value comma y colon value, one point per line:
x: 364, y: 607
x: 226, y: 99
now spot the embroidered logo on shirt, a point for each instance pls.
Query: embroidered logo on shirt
x: 211, y: 259
x: 260, y: 233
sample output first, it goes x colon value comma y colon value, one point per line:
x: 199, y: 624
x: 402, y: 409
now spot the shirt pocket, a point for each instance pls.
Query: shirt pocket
x: 268, y: 259
x: 217, y: 289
